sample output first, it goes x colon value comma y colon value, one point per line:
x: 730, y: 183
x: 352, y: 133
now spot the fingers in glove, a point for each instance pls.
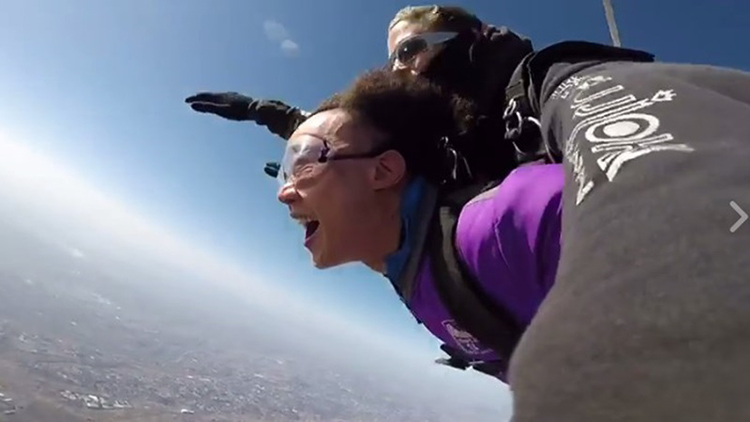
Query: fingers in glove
x: 207, y: 107
x: 218, y: 98
x: 206, y: 97
x: 272, y: 169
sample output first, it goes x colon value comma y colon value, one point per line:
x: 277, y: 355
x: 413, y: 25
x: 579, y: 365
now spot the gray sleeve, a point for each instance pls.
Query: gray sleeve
x: 649, y: 318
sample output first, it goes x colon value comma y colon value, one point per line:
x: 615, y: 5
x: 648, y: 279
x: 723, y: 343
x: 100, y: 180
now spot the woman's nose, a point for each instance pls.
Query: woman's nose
x: 287, y: 193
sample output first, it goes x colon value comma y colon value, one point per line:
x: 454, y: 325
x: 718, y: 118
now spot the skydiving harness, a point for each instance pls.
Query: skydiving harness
x: 462, y: 295
x: 523, y: 112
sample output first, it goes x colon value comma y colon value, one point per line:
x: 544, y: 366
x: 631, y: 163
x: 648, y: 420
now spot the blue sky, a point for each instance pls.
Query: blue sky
x: 99, y: 85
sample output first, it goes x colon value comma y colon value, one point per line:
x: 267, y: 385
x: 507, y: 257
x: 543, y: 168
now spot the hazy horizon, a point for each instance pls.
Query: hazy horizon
x: 121, y: 202
x: 52, y: 219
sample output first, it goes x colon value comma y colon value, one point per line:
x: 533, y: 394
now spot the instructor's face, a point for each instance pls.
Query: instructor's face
x: 407, y: 50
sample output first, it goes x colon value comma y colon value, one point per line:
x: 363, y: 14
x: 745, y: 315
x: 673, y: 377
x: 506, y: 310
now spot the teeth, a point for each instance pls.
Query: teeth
x: 305, y: 220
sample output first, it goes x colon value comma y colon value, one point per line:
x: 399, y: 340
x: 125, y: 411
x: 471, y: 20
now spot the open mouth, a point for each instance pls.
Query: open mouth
x: 310, y: 228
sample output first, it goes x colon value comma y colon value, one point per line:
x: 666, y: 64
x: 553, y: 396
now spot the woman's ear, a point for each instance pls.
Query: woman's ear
x: 389, y: 170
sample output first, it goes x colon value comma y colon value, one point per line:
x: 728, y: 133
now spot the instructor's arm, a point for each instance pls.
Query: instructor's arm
x: 280, y: 118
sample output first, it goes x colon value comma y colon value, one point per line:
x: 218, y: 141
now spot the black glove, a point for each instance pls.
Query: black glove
x: 281, y: 119
x: 272, y: 169
x: 229, y: 105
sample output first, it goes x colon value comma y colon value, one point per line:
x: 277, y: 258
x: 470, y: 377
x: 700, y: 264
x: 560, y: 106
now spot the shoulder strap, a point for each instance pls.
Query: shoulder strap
x: 523, y: 111
x: 460, y: 293
x: 522, y: 126
x: 526, y: 80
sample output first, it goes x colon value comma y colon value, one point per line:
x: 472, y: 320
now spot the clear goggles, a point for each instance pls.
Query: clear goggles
x: 305, y: 159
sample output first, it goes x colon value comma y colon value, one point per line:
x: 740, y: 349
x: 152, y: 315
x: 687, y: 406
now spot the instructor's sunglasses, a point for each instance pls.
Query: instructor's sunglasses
x: 409, y: 48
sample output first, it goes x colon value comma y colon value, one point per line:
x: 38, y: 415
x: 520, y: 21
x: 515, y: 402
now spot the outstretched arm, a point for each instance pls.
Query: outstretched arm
x: 280, y: 118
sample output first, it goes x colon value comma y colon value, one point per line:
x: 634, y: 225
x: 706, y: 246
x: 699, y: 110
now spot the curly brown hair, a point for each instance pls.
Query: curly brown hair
x: 417, y: 117
x: 414, y: 115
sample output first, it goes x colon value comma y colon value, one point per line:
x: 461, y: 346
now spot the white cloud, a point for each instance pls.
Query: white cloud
x: 290, y: 48
x: 76, y: 253
x: 275, y: 31
x: 278, y: 34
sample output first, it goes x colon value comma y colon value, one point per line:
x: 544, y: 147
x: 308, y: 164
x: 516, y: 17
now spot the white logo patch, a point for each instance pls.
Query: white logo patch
x: 463, y: 339
x: 616, y: 126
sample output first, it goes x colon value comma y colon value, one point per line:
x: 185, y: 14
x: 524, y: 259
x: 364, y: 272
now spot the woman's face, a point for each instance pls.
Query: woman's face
x: 339, y: 202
